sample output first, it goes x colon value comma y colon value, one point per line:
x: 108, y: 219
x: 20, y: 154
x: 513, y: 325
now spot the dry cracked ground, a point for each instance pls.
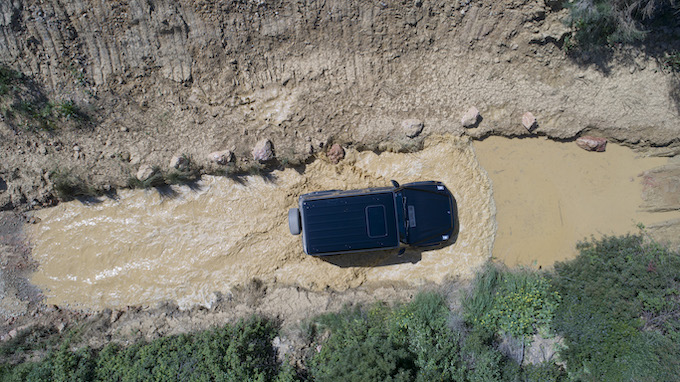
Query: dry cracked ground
x: 134, y: 83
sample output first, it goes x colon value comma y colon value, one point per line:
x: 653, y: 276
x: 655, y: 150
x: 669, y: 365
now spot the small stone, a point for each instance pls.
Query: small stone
x: 76, y: 148
x: 263, y: 151
x: 145, y: 172
x: 221, y: 157
x: 336, y: 153
x: 179, y: 162
x: 124, y: 129
x: 590, y: 143
x: 412, y: 127
x: 42, y: 150
x: 471, y: 118
x: 115, y: 315
x: 309, y: 148
x: 529, y: 121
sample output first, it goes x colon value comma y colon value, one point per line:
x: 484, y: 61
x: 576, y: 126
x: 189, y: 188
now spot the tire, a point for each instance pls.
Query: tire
x: 294, y: 221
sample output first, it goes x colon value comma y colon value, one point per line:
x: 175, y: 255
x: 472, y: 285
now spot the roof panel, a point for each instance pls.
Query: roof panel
x: 341, y: 224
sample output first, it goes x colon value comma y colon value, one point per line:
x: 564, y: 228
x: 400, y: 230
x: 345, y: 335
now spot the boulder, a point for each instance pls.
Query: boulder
x: 145, y: 172
x: 263, y: 151
x: 179, y: 162
x: 529, y: 121
x: 412, y: 127
x: 592, y: 143
x: 336, y: 153
x: 470, y: 118
x: 221, y: 157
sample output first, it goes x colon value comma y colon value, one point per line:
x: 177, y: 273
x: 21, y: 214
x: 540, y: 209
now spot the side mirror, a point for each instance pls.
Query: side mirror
x: 395, y: 183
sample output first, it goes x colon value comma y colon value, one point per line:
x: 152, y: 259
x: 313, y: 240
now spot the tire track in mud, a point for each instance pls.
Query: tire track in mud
x: 143, y: 248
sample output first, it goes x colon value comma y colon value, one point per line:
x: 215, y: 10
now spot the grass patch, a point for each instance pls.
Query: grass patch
x: 23, y: 104
x: 672, y: 62
x: 69, y: 186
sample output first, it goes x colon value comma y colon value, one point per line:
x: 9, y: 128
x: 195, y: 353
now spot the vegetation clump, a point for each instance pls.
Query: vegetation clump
x: 600, y: 22
x: 620, y: 311
x: 68, y: 186
x: 23, y: 104
x: 240, y: 352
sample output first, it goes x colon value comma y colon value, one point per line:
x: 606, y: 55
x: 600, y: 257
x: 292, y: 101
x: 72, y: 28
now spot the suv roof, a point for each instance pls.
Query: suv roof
x: 346, y: 221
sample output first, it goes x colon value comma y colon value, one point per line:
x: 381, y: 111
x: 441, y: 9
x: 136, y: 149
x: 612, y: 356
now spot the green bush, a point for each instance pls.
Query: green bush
x: 241, y: 352
x: 419, y: 341
x: 620, y: 311
x: 599, y: 22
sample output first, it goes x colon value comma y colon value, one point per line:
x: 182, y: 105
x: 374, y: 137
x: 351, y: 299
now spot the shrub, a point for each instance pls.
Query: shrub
x: 598, y: 22
x: 620, y: 312
x: 240, y: 352
x: 413, y: 342
x: 68, y: 185
x: 517, y: 303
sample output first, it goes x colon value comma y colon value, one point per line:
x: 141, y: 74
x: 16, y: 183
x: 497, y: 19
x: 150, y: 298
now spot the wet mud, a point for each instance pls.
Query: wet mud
x: 186, y: 243
x: 550, y: 195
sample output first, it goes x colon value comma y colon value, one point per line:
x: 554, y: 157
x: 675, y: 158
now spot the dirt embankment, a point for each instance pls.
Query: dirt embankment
x: 162, y: 78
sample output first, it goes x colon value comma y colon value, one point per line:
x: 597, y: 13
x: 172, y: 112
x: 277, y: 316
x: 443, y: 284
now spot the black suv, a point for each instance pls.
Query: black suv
x: 420, y: 214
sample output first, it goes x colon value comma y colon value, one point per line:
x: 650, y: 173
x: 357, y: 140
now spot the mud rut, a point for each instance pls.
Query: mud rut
x: 146, y: 247
x: 186, y: 244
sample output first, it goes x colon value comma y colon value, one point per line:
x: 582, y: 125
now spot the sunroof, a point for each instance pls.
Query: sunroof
x: 376, y: 220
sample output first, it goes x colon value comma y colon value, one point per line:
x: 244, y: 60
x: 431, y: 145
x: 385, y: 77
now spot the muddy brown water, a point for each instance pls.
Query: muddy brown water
x: 145, y: 248
x: 551, y: 195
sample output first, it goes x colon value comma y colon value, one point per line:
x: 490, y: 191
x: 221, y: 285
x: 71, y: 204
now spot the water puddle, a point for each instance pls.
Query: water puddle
x: 144, y: 248
x: 551, y: 195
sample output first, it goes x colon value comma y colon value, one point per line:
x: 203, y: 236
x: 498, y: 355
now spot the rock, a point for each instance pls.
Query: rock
x: 471, y: 118
x: 115, y: 315
x: 221, y: 157
x: 76, y: 148
x: 145, y: 172
x: 124, y: 129
x: 592, y: 143
x: 179, y: 162
x: 263, y: 151
x: 336, y: 153
x: 412, y: 127
x: 529, y: 121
